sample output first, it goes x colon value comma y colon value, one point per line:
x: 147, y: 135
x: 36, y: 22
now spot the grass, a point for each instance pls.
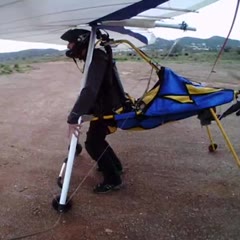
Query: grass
x: 6, y: 69
x: 227, y: 58
x: 201, y: 57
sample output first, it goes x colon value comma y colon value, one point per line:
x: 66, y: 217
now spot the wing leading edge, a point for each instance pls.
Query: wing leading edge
x: 44, y: 21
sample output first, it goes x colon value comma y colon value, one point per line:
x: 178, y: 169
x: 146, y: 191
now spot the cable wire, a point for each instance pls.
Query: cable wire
x: 225, y: 42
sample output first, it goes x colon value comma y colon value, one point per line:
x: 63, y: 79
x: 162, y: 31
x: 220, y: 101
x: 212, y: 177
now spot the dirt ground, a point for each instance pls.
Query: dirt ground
x: 173, y: 187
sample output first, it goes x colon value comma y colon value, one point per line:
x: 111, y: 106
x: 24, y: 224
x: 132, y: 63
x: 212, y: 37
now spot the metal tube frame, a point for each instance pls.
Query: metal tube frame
x: 229, y: 144
x: 210, y: 138
x: 74, y: 140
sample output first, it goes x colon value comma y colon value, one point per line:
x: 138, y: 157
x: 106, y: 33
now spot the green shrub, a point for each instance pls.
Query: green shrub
x: 16, y: 66
x: 6, y: 69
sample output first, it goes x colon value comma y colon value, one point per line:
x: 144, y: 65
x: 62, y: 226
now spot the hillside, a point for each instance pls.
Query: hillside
x: 30, y: 54
x: 213, y: 43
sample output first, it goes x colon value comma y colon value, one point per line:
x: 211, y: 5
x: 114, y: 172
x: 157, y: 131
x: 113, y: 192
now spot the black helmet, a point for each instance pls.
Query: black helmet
x: 78, y: 36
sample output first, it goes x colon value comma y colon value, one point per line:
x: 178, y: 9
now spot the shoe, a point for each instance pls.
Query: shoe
x: 106, y: 187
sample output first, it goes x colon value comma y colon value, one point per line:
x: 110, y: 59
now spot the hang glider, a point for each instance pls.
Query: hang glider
x: 174, y: 98
x: 44, y: 21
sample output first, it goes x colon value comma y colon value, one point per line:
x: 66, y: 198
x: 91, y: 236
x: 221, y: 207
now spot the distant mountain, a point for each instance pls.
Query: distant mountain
x: 212, y: 43
x: 29, y: 54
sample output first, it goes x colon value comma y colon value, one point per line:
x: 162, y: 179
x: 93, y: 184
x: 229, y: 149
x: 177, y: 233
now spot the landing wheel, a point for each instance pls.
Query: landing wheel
x: 212, y: 147
x: 59, y: 207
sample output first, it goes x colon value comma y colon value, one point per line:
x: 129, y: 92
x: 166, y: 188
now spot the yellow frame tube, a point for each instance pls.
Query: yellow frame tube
x: 148, y: 60
x: 230, y: 146
x: 142, y: 54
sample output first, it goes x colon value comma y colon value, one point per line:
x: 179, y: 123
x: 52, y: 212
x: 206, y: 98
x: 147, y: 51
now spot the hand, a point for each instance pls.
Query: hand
x: 74, y: 129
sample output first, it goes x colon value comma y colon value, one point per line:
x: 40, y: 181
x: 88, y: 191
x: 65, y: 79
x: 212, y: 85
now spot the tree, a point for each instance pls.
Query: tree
x: 227, y: 49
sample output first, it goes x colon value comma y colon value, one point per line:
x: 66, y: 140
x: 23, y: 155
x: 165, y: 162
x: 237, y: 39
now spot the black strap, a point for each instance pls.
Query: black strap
x: 75, y: 61
x: 110, y: 63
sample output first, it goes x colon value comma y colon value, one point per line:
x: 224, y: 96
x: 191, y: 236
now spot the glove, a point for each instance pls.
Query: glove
x: 220, y: 116
x: 73, y: 118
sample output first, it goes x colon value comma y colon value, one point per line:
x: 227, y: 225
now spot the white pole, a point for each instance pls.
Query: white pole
x: 73, y: 144
x: 146, y: 23
x: 182, y: 26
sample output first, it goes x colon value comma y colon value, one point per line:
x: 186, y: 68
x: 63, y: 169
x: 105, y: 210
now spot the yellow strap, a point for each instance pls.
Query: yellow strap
x: 107, y: 117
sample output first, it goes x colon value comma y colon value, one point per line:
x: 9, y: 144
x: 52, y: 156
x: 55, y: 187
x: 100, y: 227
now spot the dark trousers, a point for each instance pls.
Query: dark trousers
x: 99, y: 149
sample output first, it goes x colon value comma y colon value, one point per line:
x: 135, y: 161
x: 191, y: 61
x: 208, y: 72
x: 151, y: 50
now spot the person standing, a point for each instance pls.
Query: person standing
x: 101, y: 94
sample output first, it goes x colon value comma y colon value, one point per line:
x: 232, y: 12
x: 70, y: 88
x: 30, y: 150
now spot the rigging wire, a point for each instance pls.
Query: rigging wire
x: 171, y: 49
x: 8, y: 4
x: 60, y: 216
x: 67, y: 11
x: 83, y: 180
x: 39, y: 232
x: 148, y: 86
x: 91, y: 169
x: 225, y: 42
x: 95, y: 164
x: 146, y: 90
x: 75, y: 191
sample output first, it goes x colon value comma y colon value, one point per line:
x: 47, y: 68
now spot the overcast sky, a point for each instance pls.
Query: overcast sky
x: 213, y: 20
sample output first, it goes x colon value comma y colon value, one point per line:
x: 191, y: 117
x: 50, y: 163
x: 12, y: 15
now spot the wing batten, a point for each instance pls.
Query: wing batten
x: 176, y: 9
x: 9, y: 3
x: 130, y: 11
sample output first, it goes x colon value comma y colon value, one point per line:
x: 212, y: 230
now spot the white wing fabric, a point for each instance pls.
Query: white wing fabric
x: 44, y: 21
